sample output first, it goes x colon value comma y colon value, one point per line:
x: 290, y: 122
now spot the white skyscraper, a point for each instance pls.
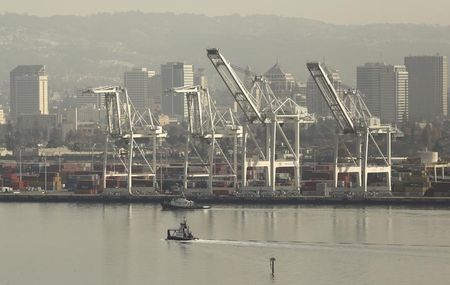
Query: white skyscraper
x: 428, y: 83
x: 385, y: 90
x: 175, y: 74
x: 137, y: 83
x: 28, y: 91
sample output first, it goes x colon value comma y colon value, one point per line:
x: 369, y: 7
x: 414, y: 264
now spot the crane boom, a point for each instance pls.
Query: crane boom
x: 339, y: 110
x: 235, y: 85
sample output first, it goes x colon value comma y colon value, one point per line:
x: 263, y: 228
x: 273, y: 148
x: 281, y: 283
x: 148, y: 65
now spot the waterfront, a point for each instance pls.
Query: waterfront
x: 70, y: 197
x: 45, y: 243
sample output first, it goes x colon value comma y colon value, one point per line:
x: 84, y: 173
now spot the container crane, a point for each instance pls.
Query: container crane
x: 208, y: 127
x: 261, y: 107
x: 353, y: 117
x: 129, y: 132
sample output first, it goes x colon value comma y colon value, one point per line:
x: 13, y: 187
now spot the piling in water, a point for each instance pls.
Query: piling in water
x: 272, y: 265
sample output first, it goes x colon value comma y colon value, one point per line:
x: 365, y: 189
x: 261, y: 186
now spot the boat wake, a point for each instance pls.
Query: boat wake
x: 409, y: 249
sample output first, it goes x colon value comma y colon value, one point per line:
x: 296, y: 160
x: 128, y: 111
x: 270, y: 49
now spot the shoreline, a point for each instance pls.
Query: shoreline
x: 156, y: 199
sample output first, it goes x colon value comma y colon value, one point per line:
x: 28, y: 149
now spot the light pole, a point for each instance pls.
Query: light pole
x: 20, y: 167
x: 45, y: 172
x: 59, y: 163
x: 92, y: 157
x: 160, y: 173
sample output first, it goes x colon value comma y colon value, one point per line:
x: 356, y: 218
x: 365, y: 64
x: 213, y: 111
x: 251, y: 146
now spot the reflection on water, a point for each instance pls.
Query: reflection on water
x: 124, y: 244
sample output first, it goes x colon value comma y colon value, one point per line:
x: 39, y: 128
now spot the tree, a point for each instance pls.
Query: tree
x: 9, y: 136
x: 426, y: 136
x: 55, y: 139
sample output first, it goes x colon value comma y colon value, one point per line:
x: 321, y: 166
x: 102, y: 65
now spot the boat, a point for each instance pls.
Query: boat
x: 182, y: 203
x: 183, y: 233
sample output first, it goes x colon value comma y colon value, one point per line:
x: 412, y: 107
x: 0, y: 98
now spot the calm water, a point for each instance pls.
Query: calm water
x: 124, y: 244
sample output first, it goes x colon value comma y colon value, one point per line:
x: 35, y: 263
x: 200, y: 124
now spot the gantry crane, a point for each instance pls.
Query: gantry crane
x: 130, y: 133
x: 353, y: 117
x: 261, y: 107
x: 209, y: 127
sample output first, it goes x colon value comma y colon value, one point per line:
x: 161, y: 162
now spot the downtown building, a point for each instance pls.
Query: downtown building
x: 282, y: 83
x: 138, y: 84
x: 175, y: 74
x: 314, y: 100
x: 385, y: 90
x: 28, y: 91
x: 428, y: 83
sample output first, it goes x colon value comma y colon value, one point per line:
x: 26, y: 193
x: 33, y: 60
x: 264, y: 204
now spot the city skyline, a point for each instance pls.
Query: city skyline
x: 310, y: 136
x: 361, y: 12
x: 385, y: 87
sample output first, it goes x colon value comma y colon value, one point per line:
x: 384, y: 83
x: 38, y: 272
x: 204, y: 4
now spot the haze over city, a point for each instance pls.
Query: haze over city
x: 224, y: 142
x: 329, y: 11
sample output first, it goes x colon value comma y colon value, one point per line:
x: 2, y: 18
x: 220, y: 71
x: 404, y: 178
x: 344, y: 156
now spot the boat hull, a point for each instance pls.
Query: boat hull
x: 168, y: 206
x: 181, y: 239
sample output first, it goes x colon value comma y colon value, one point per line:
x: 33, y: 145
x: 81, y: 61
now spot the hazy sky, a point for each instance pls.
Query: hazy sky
x: 331, y: 11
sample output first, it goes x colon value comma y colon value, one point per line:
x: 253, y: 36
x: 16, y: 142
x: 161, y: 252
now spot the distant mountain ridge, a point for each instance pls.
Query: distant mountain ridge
x: 88, y: 50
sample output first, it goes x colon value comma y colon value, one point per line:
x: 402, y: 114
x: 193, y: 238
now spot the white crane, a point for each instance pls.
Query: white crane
x: 208, y: 127
x: 130, y: 133
x: 261, y: 107
x: 353, y: 117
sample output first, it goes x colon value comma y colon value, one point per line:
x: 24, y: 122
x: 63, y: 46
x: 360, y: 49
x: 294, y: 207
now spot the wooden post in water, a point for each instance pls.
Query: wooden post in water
x: 272, y: 265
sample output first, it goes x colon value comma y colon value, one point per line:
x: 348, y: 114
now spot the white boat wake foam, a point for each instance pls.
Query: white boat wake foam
x: 403, y: 249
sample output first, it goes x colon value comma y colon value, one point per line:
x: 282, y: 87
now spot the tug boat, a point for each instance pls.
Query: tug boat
x: 183, y: 233
x: 182, y: 203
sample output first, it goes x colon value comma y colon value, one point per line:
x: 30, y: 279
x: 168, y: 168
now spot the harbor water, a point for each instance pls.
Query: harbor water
x: 63, y: 243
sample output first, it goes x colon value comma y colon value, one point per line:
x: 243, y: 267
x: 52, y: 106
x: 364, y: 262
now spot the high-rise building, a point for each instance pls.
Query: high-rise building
x: 385, y: 90
x: 175, y: 74
x: 314, y: 100
x: 28, y: 91
x: 137, y: 83
x: 282, y: 83
x: 428, y: 83
x: 155, y: 93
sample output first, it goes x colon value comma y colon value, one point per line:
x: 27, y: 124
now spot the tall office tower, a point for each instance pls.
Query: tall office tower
x: 175, y: 74
x: 314, y: 100
x: 427, y: 86
x: 137, y: 83
x: 155, y: 93
x: 28, y: 91
x: 385, y: 90
x: 282, y: 83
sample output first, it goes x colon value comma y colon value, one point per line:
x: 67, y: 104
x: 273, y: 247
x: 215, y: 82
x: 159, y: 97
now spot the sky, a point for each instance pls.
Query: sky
x: 329, y: 11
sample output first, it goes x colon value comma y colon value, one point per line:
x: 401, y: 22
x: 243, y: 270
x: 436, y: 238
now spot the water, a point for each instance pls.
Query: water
x: 124, y: 244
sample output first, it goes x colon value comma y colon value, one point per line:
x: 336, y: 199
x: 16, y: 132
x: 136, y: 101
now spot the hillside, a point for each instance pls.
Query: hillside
x: 80, y: 51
